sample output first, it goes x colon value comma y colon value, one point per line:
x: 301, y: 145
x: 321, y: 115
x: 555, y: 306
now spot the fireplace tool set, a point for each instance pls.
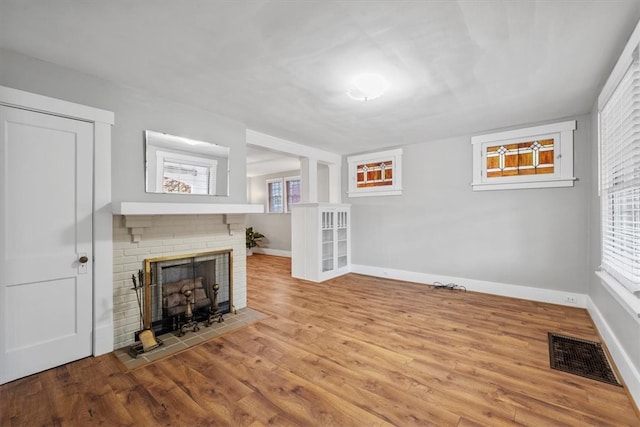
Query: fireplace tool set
x: 188, y: 315
x: 147, y: 337
x: 214, y: 312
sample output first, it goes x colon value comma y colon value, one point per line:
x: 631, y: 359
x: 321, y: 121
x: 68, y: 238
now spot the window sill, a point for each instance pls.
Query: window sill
x: 549, y: 183
x: 364, y: 193
x: 627, y: 299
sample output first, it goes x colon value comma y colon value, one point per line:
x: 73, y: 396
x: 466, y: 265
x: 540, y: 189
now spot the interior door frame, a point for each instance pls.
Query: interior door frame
x: 102, y: 121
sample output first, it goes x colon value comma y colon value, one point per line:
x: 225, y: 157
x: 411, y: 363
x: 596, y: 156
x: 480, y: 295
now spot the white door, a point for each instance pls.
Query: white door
x: 46, y: 168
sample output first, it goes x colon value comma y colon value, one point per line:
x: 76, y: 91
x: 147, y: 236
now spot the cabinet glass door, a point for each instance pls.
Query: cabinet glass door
x: 342, y: 227
x: 327, y: 241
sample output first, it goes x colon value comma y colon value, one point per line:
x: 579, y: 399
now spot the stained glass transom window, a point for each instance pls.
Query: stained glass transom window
x: 526, y: 158
x: 534, y: 157
x: 375, y: 174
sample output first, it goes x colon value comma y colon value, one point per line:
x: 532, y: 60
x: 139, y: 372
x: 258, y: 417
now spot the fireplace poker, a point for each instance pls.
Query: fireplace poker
x: 137, y: 289
x: 147, y: 336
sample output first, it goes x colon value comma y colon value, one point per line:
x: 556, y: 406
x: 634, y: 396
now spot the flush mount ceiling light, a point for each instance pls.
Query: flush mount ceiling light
x: 368, y: 86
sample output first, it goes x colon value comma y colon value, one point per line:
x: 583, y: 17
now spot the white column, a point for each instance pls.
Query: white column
x: 309, y: 179
x: 335, y: 195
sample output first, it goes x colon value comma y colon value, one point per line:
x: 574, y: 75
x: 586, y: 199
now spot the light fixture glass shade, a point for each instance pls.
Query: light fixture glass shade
x: 368, y: 86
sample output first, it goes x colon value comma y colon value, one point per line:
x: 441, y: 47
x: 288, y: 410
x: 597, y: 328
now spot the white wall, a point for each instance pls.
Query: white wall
x: 134, y: 111
x: 440, y: 228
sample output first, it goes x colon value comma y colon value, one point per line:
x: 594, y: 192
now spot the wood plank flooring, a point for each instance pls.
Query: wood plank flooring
x: 354, y: 351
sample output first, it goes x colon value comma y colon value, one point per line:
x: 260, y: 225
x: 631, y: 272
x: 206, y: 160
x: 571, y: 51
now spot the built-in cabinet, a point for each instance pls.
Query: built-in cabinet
x: 320, y: 241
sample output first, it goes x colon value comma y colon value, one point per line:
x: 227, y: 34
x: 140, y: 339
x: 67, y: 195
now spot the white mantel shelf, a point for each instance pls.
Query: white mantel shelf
x: 154, y: 208
x: 138, y: 216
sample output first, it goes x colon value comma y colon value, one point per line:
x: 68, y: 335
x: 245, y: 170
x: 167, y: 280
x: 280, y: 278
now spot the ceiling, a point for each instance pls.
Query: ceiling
x: 283, y: 67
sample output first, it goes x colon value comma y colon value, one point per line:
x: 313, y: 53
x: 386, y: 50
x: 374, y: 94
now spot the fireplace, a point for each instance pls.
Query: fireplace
x: 188, y: 289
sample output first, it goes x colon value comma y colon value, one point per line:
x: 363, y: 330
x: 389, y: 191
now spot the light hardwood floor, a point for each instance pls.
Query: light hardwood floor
x: 354, y: 351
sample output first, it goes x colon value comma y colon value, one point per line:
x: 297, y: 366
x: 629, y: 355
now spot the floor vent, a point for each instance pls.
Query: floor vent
x: 580, y: 357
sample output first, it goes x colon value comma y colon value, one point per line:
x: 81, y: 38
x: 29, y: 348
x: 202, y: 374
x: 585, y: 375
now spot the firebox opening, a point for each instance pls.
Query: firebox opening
x: 175, y: 282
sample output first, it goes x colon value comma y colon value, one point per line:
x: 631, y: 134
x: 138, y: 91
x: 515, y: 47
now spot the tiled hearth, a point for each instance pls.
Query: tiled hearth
x: 169, y: 235
x: 172, y: 343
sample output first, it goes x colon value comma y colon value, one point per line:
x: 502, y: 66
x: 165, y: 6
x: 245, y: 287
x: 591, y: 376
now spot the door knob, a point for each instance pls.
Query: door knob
x: 83, y: 259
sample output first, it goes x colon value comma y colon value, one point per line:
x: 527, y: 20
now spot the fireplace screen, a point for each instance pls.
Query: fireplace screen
x: 177, y: 287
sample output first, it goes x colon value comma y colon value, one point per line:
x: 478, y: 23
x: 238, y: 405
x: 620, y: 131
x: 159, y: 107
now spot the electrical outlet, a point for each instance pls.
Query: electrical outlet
x: 571, y: 299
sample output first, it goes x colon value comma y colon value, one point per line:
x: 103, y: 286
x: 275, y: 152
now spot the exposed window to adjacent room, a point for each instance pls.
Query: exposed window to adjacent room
x: 282, y: 193
x: 275, y: 195
x: 292, y: 188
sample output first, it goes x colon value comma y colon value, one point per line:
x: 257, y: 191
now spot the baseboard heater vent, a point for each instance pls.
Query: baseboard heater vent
x: 580, y: 357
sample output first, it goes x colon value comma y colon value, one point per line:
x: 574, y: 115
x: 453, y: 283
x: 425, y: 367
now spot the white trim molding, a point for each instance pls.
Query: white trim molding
x: 138, y: 223
x: 274, y: 252
x: 293, y: 148
x: 627, y: 56
x: 391, y: 185
x: 156, y: 208
x: 103, y: 336
x: 309, y: 159
x: 623, y: 362
x: 629, y: 300
x: 494, y: 288
x: 57, y: 107
x: 562, y: 176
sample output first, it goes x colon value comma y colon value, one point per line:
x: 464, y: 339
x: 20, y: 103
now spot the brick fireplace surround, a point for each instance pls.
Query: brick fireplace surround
x: 169, y: 235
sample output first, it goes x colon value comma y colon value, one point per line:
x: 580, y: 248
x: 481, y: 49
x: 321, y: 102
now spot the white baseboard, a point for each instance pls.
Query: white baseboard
x: 274, y: 252
x: 624, y: 364
x: 103, y: 339
x: 524, y: 292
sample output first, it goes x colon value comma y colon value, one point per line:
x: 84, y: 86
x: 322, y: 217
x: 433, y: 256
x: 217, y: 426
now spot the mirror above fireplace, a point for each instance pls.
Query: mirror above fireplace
x: 179, y: 165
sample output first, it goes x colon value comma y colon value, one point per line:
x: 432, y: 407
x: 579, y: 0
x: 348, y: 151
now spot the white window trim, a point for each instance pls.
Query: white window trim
x: 162, y: 156
x: 629, y: 300
x: 561, y: 132
x: 268, y: 208
x: 391, y: 190
x: 287, y: 208
x: 626, y: 298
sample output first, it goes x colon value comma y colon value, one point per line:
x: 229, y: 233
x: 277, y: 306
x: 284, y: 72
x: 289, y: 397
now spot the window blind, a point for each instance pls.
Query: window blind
x: 620, y: 180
